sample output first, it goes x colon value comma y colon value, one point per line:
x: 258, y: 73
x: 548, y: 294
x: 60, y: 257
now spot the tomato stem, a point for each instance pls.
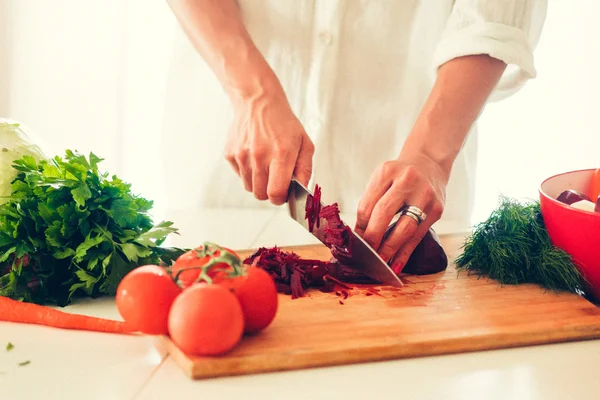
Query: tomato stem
x: 225, y: 257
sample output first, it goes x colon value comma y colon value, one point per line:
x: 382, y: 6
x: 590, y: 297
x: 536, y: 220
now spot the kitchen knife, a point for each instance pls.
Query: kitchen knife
x: 365, y: 258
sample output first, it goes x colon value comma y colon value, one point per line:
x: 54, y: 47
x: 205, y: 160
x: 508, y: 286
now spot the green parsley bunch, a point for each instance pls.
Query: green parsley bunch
x: 68, y: 230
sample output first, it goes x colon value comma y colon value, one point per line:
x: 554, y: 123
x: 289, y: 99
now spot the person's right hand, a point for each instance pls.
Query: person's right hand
x: 266, y: 145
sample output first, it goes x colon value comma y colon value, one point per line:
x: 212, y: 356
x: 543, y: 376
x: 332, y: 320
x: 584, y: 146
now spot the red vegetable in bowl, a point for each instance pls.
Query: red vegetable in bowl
x: 580, y: 200
x: 571, y: 196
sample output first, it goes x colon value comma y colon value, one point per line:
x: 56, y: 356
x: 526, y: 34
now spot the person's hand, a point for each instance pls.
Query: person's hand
x: 412, y: 180
x: 266, y: 145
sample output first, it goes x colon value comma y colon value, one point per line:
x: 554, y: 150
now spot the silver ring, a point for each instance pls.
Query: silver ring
x: 415, y: 212
x: 412, y: 215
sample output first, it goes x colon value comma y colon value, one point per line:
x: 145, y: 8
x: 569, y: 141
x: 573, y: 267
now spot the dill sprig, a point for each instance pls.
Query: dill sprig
x: 512, y: 246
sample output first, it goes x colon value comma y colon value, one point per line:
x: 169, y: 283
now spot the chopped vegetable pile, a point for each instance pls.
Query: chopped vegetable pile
x: 294, y: 275
x: 69, y: 230
x: 513, y: 247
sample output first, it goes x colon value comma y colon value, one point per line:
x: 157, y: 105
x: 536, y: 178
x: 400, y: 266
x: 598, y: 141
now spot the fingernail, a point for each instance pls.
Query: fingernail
x: 397, y: 268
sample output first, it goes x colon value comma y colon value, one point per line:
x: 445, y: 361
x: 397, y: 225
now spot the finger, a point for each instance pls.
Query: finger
x: 405, y: 228
x: 303, y: 168
x: 405, y: 232
x: 378, y: 185
x: 230, y: 154
x: 260, y: 156
x: 233, y: 164
x: 410, y: 244
x: 383, y: 212
x: 243, y: 161
x: 406, y: 249
x: 280, y: 176
x: 260, y: 177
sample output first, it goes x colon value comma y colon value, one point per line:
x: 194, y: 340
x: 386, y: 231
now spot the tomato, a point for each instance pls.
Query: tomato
x: 191, y: 258
x: 257, y: 295
x: 144, y: 298
x: 206, y: 320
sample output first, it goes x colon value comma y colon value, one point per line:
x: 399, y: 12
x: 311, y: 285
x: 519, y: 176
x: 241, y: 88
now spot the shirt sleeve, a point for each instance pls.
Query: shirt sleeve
x: 508, y: 30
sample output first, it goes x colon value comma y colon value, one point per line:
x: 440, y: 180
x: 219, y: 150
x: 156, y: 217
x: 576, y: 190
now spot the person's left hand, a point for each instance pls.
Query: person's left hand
x: 411, y: 180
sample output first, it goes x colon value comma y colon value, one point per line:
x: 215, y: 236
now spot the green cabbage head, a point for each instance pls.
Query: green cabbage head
x: 16, y: 141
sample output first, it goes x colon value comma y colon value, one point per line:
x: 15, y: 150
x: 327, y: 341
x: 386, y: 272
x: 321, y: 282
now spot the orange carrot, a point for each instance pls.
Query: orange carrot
x: 594, y: 190
x: 30, y: 313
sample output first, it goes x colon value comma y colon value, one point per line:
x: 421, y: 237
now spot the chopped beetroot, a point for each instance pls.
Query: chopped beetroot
x: 296, y: 284
x: 293, y: 275
x: 283, y: 288
x: 313, y: 209
x: 331, y: 211
x: 341, y: 302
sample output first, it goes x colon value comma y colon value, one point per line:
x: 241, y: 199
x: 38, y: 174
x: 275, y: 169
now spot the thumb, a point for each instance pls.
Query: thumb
x: 303, y: 169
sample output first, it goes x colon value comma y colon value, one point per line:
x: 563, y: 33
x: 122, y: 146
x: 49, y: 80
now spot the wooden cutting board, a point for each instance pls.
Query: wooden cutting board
x: 435, y: 314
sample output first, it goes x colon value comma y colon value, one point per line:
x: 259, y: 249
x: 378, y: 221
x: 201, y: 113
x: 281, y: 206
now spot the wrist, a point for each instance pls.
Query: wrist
x: 249, y: 77
x: 438, y: 141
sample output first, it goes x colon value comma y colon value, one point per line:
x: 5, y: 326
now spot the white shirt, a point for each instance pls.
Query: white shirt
x: 356, y: 73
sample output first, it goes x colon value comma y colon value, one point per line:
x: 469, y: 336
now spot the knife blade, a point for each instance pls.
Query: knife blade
x: 366, y: 260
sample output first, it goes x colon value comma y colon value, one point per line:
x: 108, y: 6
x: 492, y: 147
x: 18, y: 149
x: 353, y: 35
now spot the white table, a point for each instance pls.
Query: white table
x: 87, y: 365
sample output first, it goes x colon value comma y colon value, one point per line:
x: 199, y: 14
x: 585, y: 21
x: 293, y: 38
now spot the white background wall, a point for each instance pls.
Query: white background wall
x: 90, y: 75
x: 552, y: 124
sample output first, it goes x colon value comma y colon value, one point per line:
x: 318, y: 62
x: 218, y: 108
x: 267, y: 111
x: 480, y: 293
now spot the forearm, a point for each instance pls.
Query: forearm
x: 216, y: 30
x: 462, y: 87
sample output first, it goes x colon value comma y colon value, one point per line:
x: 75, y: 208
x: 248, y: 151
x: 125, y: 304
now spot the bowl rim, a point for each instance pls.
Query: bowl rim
x: 561, y: 204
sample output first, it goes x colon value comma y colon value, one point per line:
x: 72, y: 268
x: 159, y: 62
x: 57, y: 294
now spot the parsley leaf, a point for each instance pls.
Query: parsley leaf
x: 9, y: 346
x: 70, y: 230
x: 81, y: 194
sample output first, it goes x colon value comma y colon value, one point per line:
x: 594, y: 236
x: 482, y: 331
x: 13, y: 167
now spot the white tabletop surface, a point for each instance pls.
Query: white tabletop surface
x: 87, y: 365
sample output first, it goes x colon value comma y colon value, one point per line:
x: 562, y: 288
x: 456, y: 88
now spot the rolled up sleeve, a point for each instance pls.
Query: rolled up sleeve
x: 508, y: 30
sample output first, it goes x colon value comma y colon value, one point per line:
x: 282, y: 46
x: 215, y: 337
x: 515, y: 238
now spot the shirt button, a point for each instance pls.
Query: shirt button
x: 325, y: 37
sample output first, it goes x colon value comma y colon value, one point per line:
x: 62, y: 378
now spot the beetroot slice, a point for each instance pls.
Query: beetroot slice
x: 572, y: 196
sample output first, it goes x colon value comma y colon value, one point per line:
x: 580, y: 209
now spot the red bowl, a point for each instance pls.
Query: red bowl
x: 575, y: 231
